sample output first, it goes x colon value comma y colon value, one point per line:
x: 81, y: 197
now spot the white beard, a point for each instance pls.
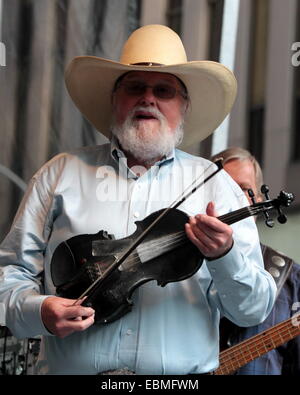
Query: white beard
x: 138, y: 139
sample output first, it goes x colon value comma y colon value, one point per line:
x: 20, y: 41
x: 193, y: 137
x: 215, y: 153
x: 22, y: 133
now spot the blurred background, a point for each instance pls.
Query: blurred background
x: 258, y: 39
x: 38, y: 120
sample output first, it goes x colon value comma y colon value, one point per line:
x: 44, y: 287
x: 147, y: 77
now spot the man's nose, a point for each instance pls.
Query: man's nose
x: 148, y: 96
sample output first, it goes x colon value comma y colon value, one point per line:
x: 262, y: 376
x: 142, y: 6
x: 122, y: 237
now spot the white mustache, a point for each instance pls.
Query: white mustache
x: 151, y: 110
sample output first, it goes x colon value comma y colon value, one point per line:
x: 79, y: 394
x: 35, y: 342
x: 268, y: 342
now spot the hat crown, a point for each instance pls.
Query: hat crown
x: 153, y: 44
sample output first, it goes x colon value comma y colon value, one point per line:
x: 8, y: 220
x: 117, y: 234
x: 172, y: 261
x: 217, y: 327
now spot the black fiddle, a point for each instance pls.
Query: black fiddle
x: 94, y: 265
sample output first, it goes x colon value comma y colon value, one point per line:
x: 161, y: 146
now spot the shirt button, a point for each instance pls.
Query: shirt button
x: 136, y: 214
x: 129, y: 332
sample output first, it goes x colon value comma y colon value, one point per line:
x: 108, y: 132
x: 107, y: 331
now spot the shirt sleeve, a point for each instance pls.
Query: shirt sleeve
x: 22, y: 259
x: 242, y: 289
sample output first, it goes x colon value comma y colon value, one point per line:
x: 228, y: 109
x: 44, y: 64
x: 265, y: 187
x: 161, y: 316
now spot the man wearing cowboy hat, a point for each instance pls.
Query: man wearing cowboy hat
x: 146, y: 104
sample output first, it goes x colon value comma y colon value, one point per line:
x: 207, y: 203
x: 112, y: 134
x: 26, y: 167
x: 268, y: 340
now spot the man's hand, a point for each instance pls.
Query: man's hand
x: 212, y: 236
x: 61, y: 317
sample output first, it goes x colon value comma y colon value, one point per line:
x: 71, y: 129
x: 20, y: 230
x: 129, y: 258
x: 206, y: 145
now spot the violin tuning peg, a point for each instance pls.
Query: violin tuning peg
x: 282, y: 219
x: 251, y: 195
x: 269, y: 222
x: 265, y: 190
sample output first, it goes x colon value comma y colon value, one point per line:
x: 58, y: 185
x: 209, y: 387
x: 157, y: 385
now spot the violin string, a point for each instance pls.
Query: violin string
x: 165, y: 243
x: 240, y: 214
x: 132, y: 259
x: 170, y: 242
x: 156, y: 245
x: 175, y: 240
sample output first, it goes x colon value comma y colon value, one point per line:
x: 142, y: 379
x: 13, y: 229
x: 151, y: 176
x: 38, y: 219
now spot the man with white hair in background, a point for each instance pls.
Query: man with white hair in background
x: 285, y: 359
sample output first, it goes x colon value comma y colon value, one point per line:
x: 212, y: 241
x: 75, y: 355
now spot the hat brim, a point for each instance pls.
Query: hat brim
x: 211, y: 86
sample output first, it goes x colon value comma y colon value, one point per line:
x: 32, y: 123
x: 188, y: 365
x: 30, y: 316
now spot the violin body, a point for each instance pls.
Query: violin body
x: 165, y: 255
x: 106, y: 271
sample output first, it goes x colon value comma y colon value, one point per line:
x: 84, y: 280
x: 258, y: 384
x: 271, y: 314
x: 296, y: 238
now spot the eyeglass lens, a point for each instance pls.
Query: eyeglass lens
x: 162, y: 91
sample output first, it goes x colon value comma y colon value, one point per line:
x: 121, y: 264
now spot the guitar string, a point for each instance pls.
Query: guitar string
x: 263, y: 344
x: 260, y: 336
x: 252, y: 346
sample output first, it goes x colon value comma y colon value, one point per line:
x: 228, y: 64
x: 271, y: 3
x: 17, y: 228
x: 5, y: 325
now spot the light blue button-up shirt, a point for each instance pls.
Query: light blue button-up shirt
x: 171, y: 329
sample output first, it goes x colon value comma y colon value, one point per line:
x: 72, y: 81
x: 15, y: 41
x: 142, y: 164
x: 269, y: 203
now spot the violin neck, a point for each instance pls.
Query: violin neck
x: 238, y: 215
x: 153, y: 248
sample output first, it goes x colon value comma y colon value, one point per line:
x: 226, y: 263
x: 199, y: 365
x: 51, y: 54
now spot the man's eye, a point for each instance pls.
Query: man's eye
x: 135, y: 87
x: 165, y: 91
x: 162, y: 88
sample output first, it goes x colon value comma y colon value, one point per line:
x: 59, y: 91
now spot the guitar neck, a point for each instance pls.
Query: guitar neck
x: 239, y: 355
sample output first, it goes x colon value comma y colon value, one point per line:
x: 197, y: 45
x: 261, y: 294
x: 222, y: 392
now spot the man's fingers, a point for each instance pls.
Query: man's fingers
x: 67, y: 327
x: 74, y: 311
x: 62, y: 317
x: 192, y: 237
x: 79, y: 301
x: 209, y: 234
x: 200, y: 239
x: 209, y: 224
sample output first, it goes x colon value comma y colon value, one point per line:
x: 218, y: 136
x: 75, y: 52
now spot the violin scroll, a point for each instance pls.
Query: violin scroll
x: 284, y: 199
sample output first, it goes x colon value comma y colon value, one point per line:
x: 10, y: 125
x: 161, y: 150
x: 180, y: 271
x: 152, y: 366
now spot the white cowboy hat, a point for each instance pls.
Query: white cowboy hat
x: 210, y: 85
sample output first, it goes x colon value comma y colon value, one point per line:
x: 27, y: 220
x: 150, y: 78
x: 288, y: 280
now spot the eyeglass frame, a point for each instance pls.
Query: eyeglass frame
x: 183, y: 92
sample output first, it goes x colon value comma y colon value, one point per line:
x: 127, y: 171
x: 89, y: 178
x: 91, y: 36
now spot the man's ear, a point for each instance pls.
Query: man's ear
x: 186, y: 107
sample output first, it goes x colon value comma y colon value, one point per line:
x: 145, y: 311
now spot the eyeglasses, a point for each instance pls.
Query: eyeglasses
x: 161, y: 90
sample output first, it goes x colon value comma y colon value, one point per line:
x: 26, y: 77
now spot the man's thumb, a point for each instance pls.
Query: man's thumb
x: 210, y: 210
